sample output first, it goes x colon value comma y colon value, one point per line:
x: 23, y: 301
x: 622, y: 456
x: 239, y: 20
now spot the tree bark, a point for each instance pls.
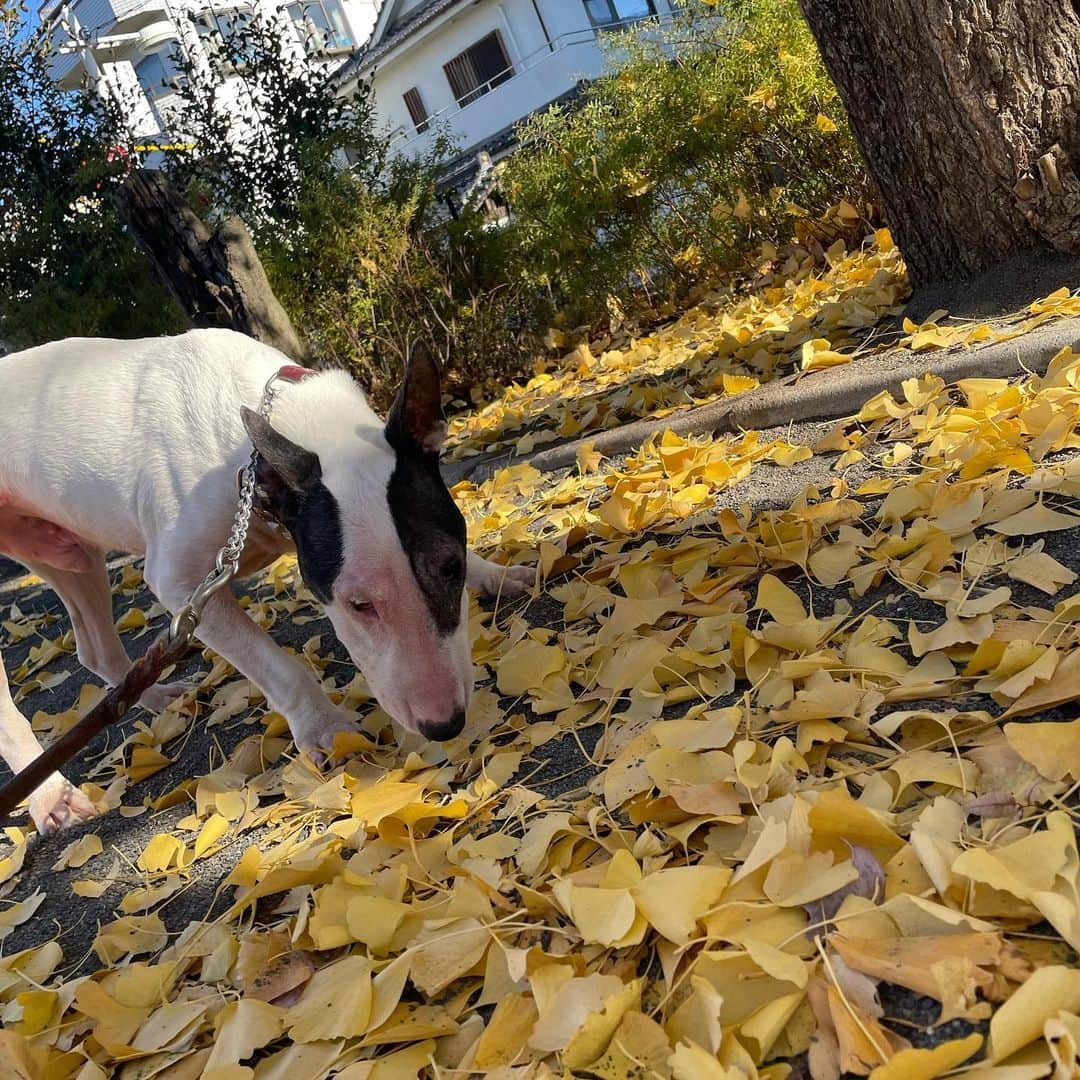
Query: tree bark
x: 216, y: 276
x: 968, y: 115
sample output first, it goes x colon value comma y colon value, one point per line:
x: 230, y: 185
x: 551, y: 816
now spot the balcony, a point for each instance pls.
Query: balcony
x: 98, y: 18
x: 66, y: 69
x: 102, y: 23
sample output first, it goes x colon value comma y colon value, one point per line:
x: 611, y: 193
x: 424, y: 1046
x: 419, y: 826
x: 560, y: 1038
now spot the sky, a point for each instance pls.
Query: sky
x: 28, y: 18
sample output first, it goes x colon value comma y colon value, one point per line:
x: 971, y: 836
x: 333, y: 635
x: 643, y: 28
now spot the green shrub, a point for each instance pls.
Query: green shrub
x: 67, y: 266
x: 372, y: 265
x: 712, y: 133
x: 708, y: 136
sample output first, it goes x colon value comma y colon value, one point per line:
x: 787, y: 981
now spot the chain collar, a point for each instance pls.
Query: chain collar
x: 245, y: 476
x: 227, y: 563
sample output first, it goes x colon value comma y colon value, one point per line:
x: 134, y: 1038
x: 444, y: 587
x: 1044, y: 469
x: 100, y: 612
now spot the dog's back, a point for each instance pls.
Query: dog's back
x: 86, y: 424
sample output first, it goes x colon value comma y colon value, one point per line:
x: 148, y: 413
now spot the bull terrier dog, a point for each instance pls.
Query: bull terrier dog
x: 136, y: 446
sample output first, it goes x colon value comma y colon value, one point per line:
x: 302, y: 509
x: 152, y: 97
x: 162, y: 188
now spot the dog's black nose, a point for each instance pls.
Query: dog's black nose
x: 449, y: 729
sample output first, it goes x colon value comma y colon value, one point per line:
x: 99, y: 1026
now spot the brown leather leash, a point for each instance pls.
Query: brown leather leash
x: 119, y: 700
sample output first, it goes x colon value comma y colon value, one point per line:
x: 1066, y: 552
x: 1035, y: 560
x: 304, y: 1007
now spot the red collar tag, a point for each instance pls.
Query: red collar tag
x: 294, y: 373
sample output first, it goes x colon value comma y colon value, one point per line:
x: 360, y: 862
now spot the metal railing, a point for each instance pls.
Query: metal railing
x: 49, y: 8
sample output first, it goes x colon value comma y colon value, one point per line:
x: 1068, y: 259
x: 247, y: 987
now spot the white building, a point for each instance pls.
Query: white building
x: 126, y: 47
x: 469, y: 69
x: 473, y: 68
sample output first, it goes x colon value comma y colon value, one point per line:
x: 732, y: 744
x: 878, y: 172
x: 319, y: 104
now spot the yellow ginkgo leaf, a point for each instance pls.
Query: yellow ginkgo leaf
x: 163, y: 852
x: 781, y: 602
x: 446, y: 950
x: 336, y: 1004
x: 1053, y: 748
x: 1020, y: 1021
x: 674, y: 899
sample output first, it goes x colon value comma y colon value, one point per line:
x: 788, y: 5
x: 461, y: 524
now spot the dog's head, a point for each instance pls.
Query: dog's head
x: 379, y: 540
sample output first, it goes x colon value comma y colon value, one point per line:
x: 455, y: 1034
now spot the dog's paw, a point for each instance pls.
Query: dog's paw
x: 496, y: 579
x: 316, y: 735
x: 160, y: 696
x: 58, y: 804
x: 518, y: 580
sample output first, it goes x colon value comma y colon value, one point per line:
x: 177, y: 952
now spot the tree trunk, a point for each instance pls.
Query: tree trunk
x: 968, y: 115
x: 216, y: 277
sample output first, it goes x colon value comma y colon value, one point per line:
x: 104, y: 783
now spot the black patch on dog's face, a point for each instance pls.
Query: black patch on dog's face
x: 432, y: 532
x: 314, y: 523
x: 429, y: 525
x: 289, y: 489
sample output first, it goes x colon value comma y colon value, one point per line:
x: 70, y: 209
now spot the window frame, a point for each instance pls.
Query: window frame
x: 617, y: 21
x: 160, y: 89
x: 463, y: 58
x: 208, y: 25
x: 167, y: 84
x: 312, y: 32
x: 419, y: 115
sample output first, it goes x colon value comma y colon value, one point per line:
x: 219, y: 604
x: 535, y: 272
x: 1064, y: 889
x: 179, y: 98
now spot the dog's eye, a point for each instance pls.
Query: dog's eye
x: 451, y: 569
x: 363, y: 607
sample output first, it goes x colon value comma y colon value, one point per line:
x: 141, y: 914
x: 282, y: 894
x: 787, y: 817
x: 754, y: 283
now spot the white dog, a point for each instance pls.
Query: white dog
x: 135, y: 446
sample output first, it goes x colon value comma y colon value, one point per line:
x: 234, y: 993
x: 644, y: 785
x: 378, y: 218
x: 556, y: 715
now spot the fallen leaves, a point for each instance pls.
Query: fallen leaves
x: 719, y: 347
x: 336, y: 1003
x: 789, y: 805
x: 1048, y: 992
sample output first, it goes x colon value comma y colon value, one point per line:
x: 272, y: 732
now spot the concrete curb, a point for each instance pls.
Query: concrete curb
x: 824, y: 395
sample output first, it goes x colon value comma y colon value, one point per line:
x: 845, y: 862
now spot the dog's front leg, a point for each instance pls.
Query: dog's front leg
x: 491, y: 578
x: 288, y: 684
x: 87, y: 597
x: 57, y: 802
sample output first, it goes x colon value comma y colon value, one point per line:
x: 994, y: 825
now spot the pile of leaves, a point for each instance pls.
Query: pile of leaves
x: 806, y: 309
x: 816, y: 307
x: 809, y: 777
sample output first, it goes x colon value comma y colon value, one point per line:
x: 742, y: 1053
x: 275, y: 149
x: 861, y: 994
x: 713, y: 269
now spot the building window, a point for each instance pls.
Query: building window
x: 158, y: 73
x: 479, y: 69
x: 159, y: 76
x: 223, y: 35
x: 415, y: 104
x: 618, y: 12
x: 322, y: 25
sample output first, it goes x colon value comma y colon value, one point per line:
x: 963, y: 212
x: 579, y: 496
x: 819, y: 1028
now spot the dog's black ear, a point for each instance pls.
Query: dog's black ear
x: 417, y: 422
x: 283, y: 465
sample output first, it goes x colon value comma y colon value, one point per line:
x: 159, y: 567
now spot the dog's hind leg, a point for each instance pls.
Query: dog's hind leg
x: 87, y: 596
x: 57, y: 802
x: 491, y: 578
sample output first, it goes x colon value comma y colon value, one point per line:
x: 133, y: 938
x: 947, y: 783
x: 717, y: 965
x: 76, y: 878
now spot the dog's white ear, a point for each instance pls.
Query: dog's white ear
x: 417, y: 422
x: 284, y: 464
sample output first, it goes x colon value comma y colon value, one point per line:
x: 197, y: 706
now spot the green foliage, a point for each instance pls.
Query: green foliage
x: 359, y: 255
x: 66, y: 265
x: 707, y: 137
x: 713, y: 133
x: 371, y: 266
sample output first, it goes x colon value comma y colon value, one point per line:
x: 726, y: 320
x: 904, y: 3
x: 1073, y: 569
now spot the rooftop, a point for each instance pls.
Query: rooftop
x: 415, y: 20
